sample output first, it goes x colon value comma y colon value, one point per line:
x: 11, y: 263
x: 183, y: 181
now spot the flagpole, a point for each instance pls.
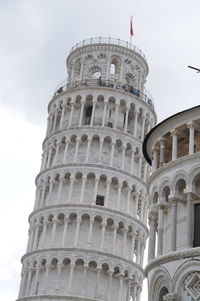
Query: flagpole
x: 131, y: 29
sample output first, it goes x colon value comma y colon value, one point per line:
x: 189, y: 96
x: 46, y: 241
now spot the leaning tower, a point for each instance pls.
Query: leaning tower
x: 88, y: 228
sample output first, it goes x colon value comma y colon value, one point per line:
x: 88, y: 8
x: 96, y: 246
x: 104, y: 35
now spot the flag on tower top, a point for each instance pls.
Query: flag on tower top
x: 131, y: 27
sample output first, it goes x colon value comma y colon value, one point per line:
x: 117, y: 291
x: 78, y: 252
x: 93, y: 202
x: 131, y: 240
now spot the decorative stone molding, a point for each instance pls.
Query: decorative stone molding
x: 192, y: 285
x: 170, y: 297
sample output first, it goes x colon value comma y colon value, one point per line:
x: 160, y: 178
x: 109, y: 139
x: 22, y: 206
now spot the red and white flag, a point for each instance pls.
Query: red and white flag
x: 131, y: 27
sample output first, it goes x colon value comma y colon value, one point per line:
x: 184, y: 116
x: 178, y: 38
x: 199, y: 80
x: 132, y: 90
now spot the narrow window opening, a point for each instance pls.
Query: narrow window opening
x: 164, y: 291
x: 88, y: 115
x: 196, y: 242
x: 100, y: 200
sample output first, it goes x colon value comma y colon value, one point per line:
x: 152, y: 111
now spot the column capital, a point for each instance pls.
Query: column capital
x: 191, y: 125
x: 174, y: 132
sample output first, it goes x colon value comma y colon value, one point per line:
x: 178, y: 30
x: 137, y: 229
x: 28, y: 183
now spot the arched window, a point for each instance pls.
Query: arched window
x: 164, y: 291
x: 88, y: 115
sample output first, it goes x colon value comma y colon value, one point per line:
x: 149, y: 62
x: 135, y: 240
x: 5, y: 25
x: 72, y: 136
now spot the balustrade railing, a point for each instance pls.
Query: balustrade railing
x: 107, y: 40
x: 106, y: 83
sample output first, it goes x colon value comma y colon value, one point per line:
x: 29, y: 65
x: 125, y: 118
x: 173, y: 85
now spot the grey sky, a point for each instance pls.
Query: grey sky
x: 36, y: 36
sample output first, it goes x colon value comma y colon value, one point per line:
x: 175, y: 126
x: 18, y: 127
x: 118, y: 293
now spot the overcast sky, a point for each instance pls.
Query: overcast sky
x: 36, y: 36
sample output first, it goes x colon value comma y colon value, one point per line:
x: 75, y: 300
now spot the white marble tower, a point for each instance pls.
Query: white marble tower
x: 88, y: 228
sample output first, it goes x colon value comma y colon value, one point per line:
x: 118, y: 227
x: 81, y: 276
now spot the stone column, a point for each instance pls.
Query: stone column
x: 152, y: 235
x: 51, y: 183
x: 88, y: 149
x: 98, y: 270
x: 28, y: 284
x: 78, y: 222
x: 49, y: 156
x: 93, y: 113
x: 44, y: 162
x: 59, y: 269
x: 132, y: 161
x: 138, y: 293
x: 44, y: 231
x: 22, y: 284
x: 160, y: 230
x: 81, y: 114
x: 136, y: 204
x: 120, y: 287
x: 95, y: 190
x: 155, y: 158
x: 71, y: 114
x: 55, y: 120
x: 72, y: 179
x: 123, y: 156
x: 112, y: 153
x: 62, y: 115
x: 53, y: 233
x: 110, y: 275
x: 103, y: 227
x: 66, y: 222
x: 100, y: 150
x: 71, y: 274
x: 85, y: 279
x: 36, y: 281
x: 76, y: 149
x: 128, y: 200
x: 116, y: 115
x: 189, y: 220
x: 61, y: 180
x: 126, y: 120
x: 139, y: 165
x: 119, y: 195
x: 46, y: 279
x: 108, y: 182
x: 65, y: 151
x: 31, y: 238
x: 133, y: 237
x: 142, y: 248
x: 138, y: 253
x: 114, y: 238
x: 143, y: 126
x: 191, y: 138
x: 58, y: 143
x: 173, y: 223
x: 136, y: 123
x: 104, y: 113
x: 35, y: 243
x: 124, y: 242
x: 91, y: 222
x: 162, y: 152
x: 84, y: 178
x: 174, y: 135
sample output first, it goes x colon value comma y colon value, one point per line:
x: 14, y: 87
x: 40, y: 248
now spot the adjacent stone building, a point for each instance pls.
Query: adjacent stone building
x: 88, y: 228
x: 172, y: 147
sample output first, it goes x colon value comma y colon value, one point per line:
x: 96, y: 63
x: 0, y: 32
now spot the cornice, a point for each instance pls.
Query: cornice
x: 96, y: 166
x: 86, y: 129
x: 92, y: 207
x: 172, y: 165
x: 194, y: 252
x: 84, y: 251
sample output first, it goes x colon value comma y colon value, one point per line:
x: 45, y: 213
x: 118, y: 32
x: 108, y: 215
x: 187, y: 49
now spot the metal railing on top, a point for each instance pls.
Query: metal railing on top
x: 106, y: 83
x: 105, y: 40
